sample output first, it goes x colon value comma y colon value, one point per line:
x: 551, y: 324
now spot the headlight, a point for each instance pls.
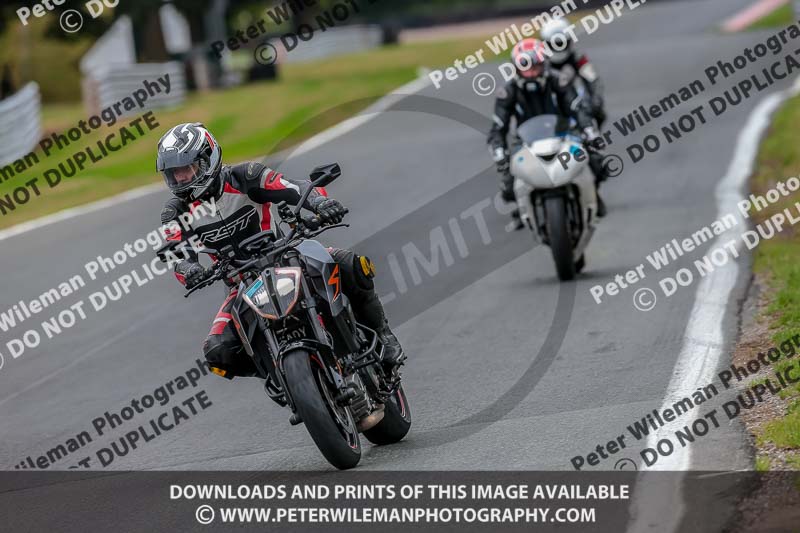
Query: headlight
x: 275, y: 293
x: 287, y: 287
x: 257, y: 297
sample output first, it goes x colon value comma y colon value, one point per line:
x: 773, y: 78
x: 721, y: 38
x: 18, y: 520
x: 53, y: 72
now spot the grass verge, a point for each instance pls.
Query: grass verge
x: 783, y: 16
x: 777, y: 267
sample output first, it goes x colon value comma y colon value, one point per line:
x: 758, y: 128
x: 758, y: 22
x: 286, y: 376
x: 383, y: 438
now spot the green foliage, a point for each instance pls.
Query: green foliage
x: 783, y: 16
x: 779, y: 260
x: 52, y: 64
x: 784, y: 432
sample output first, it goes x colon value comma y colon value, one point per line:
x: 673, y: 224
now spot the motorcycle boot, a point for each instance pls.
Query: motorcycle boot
x: 357, y: 277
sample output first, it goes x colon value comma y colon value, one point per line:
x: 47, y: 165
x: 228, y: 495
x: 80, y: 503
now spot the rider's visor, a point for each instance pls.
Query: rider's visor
x: 182, y: 177
x: 532, y: 71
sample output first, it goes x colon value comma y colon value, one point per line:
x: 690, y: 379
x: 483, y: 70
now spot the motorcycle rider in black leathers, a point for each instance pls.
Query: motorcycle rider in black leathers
x: 568, y: 62
x: 190, y: 160
x: 537, y: 90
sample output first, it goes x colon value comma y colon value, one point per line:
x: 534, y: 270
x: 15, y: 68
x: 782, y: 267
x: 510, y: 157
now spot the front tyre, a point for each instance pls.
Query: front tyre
x: 396, y: 420
x: 560, y: 242
x: 329, y: 424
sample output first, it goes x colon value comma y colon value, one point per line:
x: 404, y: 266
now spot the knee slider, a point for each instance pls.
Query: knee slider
x: 356, y: 273
x: 228, y: 359
x: 220, y: 352
x: 364, y: 270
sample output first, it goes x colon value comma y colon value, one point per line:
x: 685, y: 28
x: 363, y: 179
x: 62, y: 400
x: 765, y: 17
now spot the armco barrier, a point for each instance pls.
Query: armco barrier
x: 20, y: 123
x: 104, y: 87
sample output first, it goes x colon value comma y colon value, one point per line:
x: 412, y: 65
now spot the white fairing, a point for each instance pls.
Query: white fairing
x: 536, y: 166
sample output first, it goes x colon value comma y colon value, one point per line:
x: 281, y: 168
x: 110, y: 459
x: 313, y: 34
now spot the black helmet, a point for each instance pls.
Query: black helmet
x: 190, y: 159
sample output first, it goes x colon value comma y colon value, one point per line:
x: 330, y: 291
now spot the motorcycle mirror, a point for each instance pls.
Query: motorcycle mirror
x: 324, y: 175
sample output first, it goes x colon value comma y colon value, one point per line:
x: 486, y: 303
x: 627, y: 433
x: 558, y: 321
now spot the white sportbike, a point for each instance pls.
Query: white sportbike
x: 557, y: 200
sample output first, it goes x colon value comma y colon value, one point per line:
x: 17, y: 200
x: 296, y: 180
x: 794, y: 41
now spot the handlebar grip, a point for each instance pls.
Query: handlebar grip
x: 312, y: 223
x: 212, y: 275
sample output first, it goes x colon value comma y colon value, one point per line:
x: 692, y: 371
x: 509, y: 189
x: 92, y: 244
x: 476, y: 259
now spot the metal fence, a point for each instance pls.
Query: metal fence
x: 104, y: 87
x: 20, y: 123
x: 328, y: 43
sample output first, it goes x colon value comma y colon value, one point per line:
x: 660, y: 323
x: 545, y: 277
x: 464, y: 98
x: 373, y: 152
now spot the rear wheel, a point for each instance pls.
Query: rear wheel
x: 560, y: 242
x: 396, y: 420
x: 329, y: 424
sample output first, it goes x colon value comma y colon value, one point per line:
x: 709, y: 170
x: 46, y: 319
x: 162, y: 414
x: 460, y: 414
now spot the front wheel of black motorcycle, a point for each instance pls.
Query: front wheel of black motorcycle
x: 396, y: 420
x: 330, y: 425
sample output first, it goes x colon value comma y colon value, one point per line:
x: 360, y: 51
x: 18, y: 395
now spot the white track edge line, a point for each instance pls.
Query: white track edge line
x: 701, y: 352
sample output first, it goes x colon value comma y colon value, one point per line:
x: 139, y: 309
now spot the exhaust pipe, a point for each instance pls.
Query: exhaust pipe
x: 372, y: 420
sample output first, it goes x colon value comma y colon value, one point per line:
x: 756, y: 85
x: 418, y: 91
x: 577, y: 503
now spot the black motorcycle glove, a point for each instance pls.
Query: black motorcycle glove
x: 329, y: 210
x: 503, y: 167
x: 192, y: 273
x: 500, y: 158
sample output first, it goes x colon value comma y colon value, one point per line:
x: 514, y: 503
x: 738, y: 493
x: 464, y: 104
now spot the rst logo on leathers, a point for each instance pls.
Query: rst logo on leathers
x: 243, y: 221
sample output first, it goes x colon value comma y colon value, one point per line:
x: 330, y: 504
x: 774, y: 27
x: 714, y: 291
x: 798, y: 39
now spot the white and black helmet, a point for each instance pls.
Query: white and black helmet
x: 190, y: 159
x: 556, y: 34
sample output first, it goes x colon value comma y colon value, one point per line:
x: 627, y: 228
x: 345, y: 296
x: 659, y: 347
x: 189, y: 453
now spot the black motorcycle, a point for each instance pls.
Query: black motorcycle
x: 303, y: 338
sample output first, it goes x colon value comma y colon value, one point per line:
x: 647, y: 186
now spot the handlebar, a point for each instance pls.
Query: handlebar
x: 303, y: 227
x: 306, y: 228
x: 312, y: 223
x: 202, y: 285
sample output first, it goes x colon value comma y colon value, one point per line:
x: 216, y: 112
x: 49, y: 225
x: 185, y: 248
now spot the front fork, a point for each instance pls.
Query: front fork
x: 341, y: 328
x: 527, y: 209
x: 531, y: 207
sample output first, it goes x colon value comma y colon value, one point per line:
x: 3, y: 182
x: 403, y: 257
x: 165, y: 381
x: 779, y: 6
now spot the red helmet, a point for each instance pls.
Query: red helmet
x: 529, y: 57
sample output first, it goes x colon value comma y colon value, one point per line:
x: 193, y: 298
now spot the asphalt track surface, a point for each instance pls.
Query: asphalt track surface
x: 508, y: 369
